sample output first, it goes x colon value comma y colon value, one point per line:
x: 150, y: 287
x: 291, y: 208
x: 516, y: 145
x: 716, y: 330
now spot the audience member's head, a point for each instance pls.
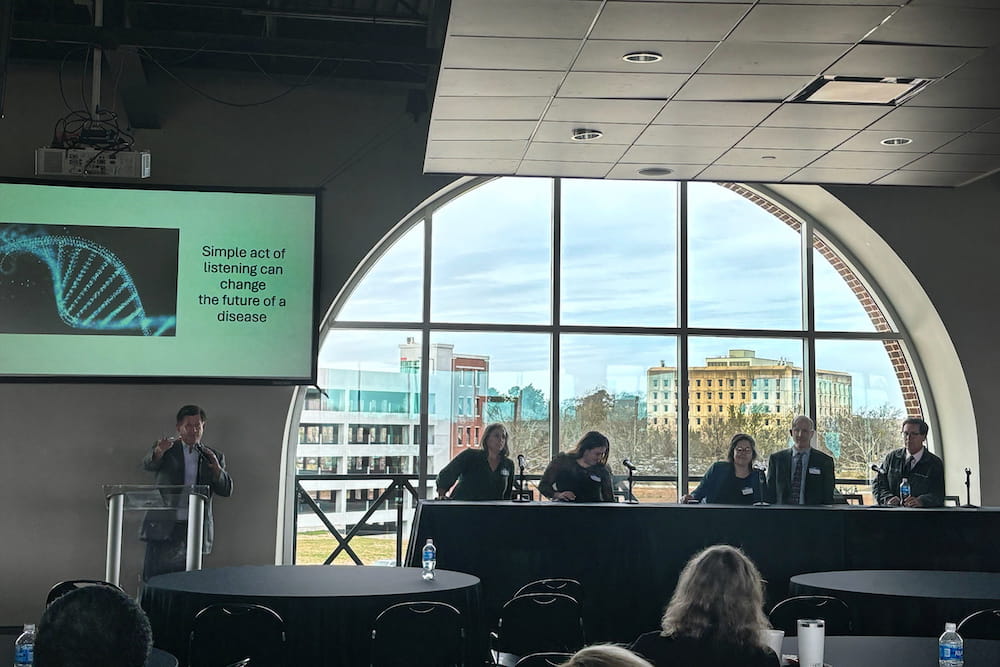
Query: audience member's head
x: 719, y: 596
x: 605, y: 655
x: 93, y: 626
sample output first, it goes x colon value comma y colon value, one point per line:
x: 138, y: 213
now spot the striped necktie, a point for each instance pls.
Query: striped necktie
x: 796, y: 479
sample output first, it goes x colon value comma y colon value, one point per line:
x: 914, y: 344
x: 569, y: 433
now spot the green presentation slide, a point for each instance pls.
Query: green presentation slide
x: 101, y: 282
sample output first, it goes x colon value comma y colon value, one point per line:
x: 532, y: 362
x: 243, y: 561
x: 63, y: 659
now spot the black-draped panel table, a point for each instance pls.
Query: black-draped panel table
x: 896, y: 651
x: 329, y: 610
x: 913, y: 603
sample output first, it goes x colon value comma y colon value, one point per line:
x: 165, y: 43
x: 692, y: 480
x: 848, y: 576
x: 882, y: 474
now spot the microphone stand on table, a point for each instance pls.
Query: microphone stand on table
x: 631, y: 470
x: 522, y: 495
x: 968, y: 489
x: 761, y: 469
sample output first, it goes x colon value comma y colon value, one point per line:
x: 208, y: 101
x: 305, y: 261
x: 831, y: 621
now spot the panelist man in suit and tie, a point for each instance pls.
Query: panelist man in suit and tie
x: 800, y: 475
x: 924, y: 471
x: 182, y: 460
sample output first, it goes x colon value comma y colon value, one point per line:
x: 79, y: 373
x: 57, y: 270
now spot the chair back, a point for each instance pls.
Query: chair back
x: 234, y: 632
x: 64, y: 587
x: 539, y: 622
x: 570, y: 587
x: 412, y: 633
x: 546, y: 659
x: 983, y: 624
x: 834, y: 611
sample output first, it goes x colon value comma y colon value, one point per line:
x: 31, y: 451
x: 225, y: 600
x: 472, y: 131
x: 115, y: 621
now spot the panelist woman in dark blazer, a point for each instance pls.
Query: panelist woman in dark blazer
x: 580, y: 475
x: 733, y: 481
x: 482, y: 474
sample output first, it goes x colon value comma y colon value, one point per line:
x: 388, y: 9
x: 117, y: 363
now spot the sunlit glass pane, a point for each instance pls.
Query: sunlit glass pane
x: 492, y: 254
x: 744, y: 266
x: 391, y: 290
x: 842, y: 299
x: 619, y: 245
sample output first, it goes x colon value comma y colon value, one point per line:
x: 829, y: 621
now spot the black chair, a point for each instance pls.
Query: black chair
x: 983, y: 624
x: 64, y: 587
x: 547, y: 659
x: 418, y: 633
x: 832, y: 610
x: 536, y: 623
x: 570, y: 587
x: 234, y: 632
x: 240, y: 663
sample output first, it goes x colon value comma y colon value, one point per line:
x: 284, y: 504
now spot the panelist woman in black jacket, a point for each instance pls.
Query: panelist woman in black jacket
x: 580, y: 475
x: 482, y: 474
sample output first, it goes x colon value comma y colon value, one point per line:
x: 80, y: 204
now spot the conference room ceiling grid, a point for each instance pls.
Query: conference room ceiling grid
x: 760, y: 91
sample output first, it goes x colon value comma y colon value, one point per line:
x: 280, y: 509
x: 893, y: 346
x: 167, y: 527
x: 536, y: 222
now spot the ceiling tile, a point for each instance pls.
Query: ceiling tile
x: 745, y: 174
x: 469, y: 166
x: 508, y: 53
x: 820, y: 175
x: 975, y: 4
x: 830, y: 2
x: 480, y: 129
x: 986, y: 65
x: 946, y: 25
x: 734, y: 57
x: 974, y: 142
x: 575, y: 152
x: 956, y: 162
x: 929, y: 119
x: 923, y: 142
x: 488, y: 108
x: 896, y: 60
x: 567, y: 169
x: 796, y: 138
x: 810, y: 23
x: 667, y: 21
x: 741, y: 87
x: 671, y: 155
x: 768, y: 157
x: 497, y: 83
x: 691, y: 135
x: 508, y: 150
x: 714, y: 113
x: 615, y: 85
x: 614, y: 133
x: 579, y: 110
x: 959, y: 92
x: 993, y: 126
x: 521, y: 18
x: 944, y: 179
x: 825, y: 116
x: 840, y: 159
x: 605, y: 55
x: 630, y: 172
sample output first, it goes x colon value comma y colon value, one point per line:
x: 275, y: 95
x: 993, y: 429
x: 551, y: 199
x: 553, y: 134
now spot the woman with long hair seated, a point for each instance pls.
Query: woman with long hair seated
x: 715, y: 617
x: 580, y: 475
x: 482, y: 474
x: 734, y: 481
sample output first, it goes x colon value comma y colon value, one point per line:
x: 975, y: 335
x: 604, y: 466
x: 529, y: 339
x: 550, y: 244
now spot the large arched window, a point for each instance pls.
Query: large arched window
x: 667, y: 315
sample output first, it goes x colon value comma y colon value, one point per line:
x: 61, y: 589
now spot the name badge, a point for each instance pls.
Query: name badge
x: 747, y: 490
x: 505, y: 473
x: 814, y: 471
x: 596, y: 478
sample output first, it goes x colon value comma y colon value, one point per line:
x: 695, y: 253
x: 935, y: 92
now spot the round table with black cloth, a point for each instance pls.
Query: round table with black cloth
x: 329, y: 610
x: 911, y: 603
x: 896, y: 651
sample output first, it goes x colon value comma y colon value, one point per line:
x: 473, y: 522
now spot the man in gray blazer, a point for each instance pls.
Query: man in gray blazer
x: 800, y: 475
x: 181, y: 460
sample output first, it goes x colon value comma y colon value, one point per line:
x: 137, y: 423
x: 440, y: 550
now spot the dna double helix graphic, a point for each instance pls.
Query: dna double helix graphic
x: 93, y: 289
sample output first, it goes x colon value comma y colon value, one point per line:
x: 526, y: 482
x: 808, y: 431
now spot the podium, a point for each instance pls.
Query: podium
x: 153, y: 498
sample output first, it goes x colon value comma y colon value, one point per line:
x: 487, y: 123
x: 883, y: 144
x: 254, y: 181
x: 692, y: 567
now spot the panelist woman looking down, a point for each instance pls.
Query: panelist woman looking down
x: 482, y: 474
x: 731, y: 482
x: 581, y: 474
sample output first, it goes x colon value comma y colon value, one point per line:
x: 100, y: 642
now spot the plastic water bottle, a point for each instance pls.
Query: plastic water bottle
x: 951, y: 648
x: 904, y: 489
x: 24, y: 647
x: 430, y: 557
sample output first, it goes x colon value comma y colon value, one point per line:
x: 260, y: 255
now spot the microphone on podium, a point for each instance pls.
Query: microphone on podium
x: 522, y: 463
x: 628, y: 464
x: 879, y: 469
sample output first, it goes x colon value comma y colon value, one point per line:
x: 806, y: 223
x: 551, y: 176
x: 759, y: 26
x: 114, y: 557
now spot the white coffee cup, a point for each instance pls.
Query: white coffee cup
x: 812, y: 633
x: 774, y: 639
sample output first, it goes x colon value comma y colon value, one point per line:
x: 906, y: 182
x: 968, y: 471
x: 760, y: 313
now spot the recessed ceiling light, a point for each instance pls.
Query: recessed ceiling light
x: 655, y: 171
x: 586, y: 134
x: 896, y: 141
x: 642, y: 57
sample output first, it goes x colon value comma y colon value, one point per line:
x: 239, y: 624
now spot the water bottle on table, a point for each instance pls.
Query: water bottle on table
x: 24, y: 647
x: 904, y: 489
x: 429, y: 560
x: 951, y: 648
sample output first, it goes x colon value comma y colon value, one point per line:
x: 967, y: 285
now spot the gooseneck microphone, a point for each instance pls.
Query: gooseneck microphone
x: 628, y: 464
x: 522, y: 463
x: 879, y: 469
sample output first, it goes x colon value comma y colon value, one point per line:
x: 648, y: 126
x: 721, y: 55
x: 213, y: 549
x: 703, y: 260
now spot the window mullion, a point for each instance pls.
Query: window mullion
x: 683, y: 383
